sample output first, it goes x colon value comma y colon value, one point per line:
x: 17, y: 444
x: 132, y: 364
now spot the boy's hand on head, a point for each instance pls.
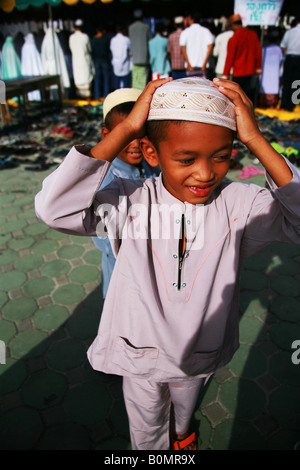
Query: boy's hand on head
x: 138, y: 116
x: 247, y: 127
x: 250, y: 135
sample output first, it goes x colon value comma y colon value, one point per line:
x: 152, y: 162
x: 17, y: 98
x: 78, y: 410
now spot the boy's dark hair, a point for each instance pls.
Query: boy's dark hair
x: 156, y: 130
x: 122, y: 109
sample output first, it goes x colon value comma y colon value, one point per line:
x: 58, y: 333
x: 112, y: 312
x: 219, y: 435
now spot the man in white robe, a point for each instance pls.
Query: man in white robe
x: 31, y: 63
x: 53, y: 58
x: 83, y: 68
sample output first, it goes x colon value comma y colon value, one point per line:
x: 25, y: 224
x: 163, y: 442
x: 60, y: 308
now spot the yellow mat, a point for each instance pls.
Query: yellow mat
x: 280, y: 114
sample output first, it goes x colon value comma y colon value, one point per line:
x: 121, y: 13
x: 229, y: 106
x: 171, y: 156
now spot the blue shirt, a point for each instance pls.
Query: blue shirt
x: 158, y: 50
x: 118, y: 169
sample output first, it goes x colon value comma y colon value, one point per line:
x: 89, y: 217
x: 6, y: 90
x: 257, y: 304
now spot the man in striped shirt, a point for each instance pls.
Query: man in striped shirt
x: 175, y: 56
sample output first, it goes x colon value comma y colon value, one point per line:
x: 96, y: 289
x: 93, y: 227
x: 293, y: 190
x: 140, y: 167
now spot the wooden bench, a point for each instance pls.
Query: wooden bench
x: 19, y: 88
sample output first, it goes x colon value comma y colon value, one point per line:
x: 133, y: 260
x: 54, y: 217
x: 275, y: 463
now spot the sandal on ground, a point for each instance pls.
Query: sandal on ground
x: 181, y: 444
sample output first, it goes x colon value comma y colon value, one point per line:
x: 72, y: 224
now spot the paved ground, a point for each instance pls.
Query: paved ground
x: 50, y: 309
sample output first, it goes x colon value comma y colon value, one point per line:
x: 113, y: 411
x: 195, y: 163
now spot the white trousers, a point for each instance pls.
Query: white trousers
x: 148, y: 406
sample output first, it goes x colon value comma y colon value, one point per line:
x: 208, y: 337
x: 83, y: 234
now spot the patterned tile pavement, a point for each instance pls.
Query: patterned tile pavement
x: 50, y: 300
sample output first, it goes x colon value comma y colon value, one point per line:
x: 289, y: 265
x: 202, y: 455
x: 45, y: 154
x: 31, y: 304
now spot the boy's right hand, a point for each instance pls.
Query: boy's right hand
x: 138, y: 116
x: 133, y: 127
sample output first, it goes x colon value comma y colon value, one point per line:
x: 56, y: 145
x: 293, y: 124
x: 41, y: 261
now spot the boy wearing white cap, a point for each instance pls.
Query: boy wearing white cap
x: 170, y: 318
x: 128, y: 164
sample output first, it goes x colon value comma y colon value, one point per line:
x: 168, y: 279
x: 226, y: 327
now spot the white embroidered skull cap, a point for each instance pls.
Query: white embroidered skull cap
x: 192, y: 99
x: 119, y: 96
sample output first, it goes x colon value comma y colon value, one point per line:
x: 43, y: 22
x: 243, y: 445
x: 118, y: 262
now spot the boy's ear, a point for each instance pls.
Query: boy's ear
x: 149, y: 152
x: 104, y: 132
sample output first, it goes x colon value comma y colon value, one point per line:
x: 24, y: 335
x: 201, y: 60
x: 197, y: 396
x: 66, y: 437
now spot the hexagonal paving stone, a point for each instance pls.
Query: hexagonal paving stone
x: 93, y: 257
x: 287, y: 267
x: 81, y: 240
x: 23, y: 201
x: 10, y: 210
x: 20, y: 242
x: 12, y: 280
x: 43, y: 247
x: 283, y: 334
x: 65, y: 436
x: 28, y: 214
x: 4, y: 238
x: 70, y: 251
x: 30, y: 343
x: 83, y: 274
x: 55, y: 235
x: 12, y: 375
x: 19, y: 309
x: 7, y: 330
x: 7, y: 198
x: 68, y: 294
x: 286, y: 285
x: 56, y: 268
x: 253, y: 303
x: 36, y: 229
x: 285, y: 406
x: 8, y: 256
x: 248, y: 362
x: 44, y: 389
x: 237, y: 435
x: 14, y: 225
x: 242, y: 398
x: 39, y: 287
x: 51, y: 317
x: 252, y: 330
x: 283, y: 369
x: 29, y: 262
x: 258, y: 262
x: 286, y: 308
x: 95, y: 402
x: 253, y: 280
x: 3, y: 298
x: 84, y: 325
x: 20, y: 429
x: 284, y: 250
x: 66, y: 354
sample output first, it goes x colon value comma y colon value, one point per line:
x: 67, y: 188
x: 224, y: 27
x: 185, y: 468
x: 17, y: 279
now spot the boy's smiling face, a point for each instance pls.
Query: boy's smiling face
x: 131, y: 154
x: 194, y: 158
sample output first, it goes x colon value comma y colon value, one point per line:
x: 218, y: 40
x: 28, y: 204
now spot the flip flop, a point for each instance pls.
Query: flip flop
x: 181, y: 444
x: 250, y: 171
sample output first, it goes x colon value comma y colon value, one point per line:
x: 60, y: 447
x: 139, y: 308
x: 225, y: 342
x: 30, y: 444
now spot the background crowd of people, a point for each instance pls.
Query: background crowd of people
x: 265, y: 62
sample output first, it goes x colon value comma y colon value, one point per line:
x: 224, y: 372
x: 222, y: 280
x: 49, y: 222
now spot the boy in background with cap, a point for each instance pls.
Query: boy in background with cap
x: 170, y: 318
x: 128, y: 164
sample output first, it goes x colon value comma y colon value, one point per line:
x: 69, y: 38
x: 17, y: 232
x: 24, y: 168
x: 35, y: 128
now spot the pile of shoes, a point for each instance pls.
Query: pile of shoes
x: 47, y: 141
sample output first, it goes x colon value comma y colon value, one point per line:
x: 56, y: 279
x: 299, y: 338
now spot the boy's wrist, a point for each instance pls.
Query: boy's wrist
x: 256, y: 142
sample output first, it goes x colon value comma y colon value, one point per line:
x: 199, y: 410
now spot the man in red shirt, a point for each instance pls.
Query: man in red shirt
x: 243, y: 56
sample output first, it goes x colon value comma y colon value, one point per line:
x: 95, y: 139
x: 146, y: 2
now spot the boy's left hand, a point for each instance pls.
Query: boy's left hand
x: 247, y: 128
